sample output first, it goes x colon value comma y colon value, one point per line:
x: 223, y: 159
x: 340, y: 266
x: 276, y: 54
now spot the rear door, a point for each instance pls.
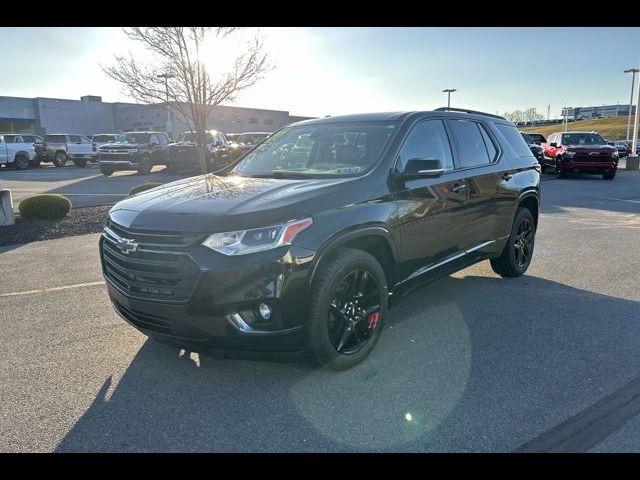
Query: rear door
x: 74, y: 145
x: 4, y: 158
x: 488, y: 178
x: 431, y: 211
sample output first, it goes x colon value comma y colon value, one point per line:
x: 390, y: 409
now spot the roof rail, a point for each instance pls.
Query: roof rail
x: 466, y: 110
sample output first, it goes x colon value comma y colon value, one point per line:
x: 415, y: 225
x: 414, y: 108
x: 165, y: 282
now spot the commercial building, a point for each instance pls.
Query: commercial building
x: 598, y: 112
x: 91, y: 115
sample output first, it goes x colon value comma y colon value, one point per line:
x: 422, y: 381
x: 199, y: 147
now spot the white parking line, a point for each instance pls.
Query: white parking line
x: 52, y: 289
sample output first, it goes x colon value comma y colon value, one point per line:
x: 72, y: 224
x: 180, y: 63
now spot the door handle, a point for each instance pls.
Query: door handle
x: 459, y: 187
x: 507, y: 176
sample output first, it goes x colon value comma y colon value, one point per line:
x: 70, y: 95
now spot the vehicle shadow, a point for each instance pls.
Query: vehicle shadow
x: 474, y: 363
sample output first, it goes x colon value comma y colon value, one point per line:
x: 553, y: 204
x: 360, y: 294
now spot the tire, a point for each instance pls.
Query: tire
x: 543, y: 167
x: 145, y: 169
x: 107, y: 172
x: 609, y: 175
x: 559, y: 171
x: 80, y: 162
x: 510, y: 262
x: 172, y: 169
x: 21, y: 162
x: 347, y: 308
x: 60, y: 159
x: 35, y: 163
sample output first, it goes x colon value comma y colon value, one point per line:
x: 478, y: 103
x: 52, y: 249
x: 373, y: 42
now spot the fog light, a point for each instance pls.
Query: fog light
x: 265, y: 311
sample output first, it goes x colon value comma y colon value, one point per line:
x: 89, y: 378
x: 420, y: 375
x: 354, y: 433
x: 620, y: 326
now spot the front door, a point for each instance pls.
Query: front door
x: 431, y: 210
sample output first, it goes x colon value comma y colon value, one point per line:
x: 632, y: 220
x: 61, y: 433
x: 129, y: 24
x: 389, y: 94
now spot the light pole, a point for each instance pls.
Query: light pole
x: 448, y: 92
x: 633, y: 161
x: 166, y: 77
x: 633, y: 72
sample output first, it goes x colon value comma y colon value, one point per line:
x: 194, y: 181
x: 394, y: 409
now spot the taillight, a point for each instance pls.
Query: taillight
x: 93, y: 145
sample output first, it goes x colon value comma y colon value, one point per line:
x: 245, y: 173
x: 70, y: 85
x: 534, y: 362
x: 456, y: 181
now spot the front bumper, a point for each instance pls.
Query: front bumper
x: 207, y: 318
x: 120, y: 162
x: 589, y: 167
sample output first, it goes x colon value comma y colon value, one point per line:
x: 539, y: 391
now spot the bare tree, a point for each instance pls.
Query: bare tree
x: 528, y: 115
x: 187, y: 86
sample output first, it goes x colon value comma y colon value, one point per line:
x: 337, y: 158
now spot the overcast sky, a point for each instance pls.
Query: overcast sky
x: 330, y: 71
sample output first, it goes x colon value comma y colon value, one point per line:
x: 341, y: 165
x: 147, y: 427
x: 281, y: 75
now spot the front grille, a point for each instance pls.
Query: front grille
x: 600, y: 157
x: 145, y: 321
x: 159, y: 269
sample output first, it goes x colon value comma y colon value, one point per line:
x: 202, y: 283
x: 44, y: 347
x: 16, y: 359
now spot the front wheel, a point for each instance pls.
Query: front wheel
x: 516, y: 256
x: 559, y: 171
x: 145, y: 167
x: 609, y: 175
x: 347, y: 308
x: 107, y: 172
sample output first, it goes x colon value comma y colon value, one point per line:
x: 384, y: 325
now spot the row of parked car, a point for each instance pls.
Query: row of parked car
x: 131, y: 150
x: 577, y: 152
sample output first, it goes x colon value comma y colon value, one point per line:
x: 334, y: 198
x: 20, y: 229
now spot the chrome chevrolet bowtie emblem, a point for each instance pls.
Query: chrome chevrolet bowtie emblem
x: 127, y: 245
x: 593, y: 153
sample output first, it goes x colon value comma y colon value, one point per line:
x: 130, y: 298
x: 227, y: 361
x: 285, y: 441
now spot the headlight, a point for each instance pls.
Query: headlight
x: 242, y: 242
x: 569, y: 154
x: 614, y: 154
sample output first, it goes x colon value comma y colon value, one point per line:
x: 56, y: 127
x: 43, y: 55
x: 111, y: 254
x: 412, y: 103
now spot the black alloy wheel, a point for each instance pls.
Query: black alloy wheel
x: 354, y: 312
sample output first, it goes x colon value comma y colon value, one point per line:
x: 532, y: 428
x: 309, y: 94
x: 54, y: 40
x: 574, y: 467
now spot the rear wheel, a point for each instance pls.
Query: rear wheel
x: 518, y: 251
x: 609, y: 175
x: 347, y: 309
x: 21, y: 162
x: 60, y: 159
x: 107, y: 172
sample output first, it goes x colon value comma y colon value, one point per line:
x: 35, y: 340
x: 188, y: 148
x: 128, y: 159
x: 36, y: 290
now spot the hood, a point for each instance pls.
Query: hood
x: 208, y: 203
x: 591, y: 148
x: 123, y: 146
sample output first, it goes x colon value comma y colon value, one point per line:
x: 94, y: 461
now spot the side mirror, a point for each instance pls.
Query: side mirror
x: 422, y: 168
x: 553, y: 144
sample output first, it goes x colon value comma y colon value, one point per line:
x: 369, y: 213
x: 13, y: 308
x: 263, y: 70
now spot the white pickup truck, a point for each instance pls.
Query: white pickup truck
x: 15, y: 152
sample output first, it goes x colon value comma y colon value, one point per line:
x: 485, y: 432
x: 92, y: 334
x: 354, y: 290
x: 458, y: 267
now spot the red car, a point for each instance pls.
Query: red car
x: 580, y: 152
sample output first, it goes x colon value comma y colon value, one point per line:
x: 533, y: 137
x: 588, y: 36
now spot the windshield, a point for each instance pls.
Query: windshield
x: 318, y: 150
x: 103, y: 138
x: 537, y: 137
x: 582, y: 139
x: 250, y: 138
x: 527, y: 138
x: 133, y: 138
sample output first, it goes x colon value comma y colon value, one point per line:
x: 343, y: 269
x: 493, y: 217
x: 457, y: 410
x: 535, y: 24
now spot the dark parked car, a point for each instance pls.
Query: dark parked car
x: 183, y: 154
x: 623, y: 146
x: 535, y: 148
x: 285, y: 253
x: 241, y: 143
x: 134, y: 151
x: 580, y: 152
x: 537, y: 138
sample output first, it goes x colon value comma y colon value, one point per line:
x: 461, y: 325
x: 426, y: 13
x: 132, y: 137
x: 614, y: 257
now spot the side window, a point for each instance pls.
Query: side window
x: 428, y: 139
x: 154, y: 139
x: 222, y: 139
x: 75, y: 139
x: 18, y: 139
x: 85, y: 140
x: 511, y: 139
x: 473, y: 149
x: 163, y: 139
x: 28, y: 139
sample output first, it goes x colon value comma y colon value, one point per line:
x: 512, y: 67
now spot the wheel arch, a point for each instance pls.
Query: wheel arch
x: 375, y: 240
x: 531, y: 201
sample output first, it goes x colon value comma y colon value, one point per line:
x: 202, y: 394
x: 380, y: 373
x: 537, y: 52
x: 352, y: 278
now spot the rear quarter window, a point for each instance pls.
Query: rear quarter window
x: 55, y: 138
x: 511, y: 140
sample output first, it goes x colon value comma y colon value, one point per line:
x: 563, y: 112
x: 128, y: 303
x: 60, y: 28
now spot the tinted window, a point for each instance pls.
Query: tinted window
x: 133, y: 138
x: 55, y: 138
x: 427, y: 140
x: 9, y: 138
x: 103, y: 138
x: 472, y: 147
x: 512, y: 139
x: 75, y: 138
x: 582, y: 139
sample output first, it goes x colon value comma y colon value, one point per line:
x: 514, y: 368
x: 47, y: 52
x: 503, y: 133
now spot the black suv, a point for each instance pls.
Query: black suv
x: 183, y: 154
x: 134, y: 151
x: 307, y: 240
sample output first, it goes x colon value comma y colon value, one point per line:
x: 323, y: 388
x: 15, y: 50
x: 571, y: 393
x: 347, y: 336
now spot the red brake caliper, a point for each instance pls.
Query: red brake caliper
x: 372, y: 320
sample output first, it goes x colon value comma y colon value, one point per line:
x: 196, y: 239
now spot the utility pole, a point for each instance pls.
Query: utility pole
x: 448, y: 92
x: 633, y: 161
x: 633, y: 72
x: 166, y: 77
x: 549, y: 112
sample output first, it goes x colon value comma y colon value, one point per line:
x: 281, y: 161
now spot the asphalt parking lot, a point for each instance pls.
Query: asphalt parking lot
x: 83, y: 186
x: 546, y: 362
